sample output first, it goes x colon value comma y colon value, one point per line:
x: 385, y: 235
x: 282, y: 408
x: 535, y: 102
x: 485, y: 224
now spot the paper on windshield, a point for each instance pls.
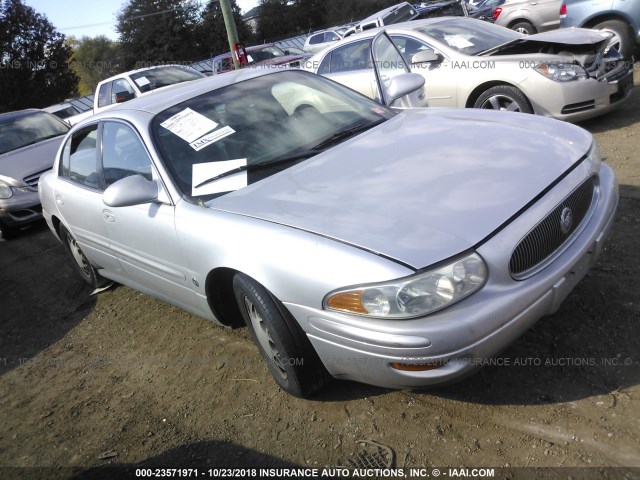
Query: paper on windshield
x: 211, y: 138
x: 189, y: 125
x: 457, y: 41
x: 205, y: 171
x: 142, y: 81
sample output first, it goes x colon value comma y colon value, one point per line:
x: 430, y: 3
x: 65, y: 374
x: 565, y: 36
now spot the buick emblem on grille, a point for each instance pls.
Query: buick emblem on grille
x: 566, y: 220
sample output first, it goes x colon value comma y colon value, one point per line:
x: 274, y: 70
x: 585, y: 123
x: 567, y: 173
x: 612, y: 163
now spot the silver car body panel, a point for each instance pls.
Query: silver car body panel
x: 311, y: 197
x: 280, y: 231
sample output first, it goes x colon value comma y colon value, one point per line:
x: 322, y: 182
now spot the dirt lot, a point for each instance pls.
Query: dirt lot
x: 120, y: 378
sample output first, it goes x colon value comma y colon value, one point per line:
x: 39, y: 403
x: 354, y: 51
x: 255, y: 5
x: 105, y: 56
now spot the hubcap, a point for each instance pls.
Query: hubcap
x: 614, y: 41
x: 501, y: 102
x: 522, y: 30
x: 78, y: 256
x: 264, y: 336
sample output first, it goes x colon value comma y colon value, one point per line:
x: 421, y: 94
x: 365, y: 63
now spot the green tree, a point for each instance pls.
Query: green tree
x: 277, y: 18
x: 212, y: 34
x: 157, y: 31
x: 94, y: 59
x: 34, y: 59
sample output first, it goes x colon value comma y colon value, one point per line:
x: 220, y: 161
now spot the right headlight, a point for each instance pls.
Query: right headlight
x: 5, y: 190
x: 414, y: 296
x: 561, y: 72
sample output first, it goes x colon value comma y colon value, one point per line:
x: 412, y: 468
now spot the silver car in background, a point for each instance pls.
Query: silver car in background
x: 29, y: 140
x: 354, y: 241
x: 562, y: 74
x: 528, y: 16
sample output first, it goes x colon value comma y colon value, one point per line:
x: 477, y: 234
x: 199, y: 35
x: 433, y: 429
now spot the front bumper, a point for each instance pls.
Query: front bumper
x: 22, y: 208
x: 462, y: 337
x: 577, y: 100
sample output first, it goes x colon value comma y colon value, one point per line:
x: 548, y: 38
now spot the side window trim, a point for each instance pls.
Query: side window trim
x: 155, y: 173
x: 66, y: 175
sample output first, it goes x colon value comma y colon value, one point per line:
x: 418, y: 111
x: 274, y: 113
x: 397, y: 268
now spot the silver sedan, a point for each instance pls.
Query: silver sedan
x: 470, y: 63
x: 354, y: 241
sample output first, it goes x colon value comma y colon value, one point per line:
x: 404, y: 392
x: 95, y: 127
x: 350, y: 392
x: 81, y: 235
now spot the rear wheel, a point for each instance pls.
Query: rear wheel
x: 524, y: 27
x: 504, y: 97
x: 80, y: 261
x: 294, y: 364
x: 622, y: 39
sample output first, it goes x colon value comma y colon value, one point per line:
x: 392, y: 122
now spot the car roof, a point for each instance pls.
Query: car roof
x: 145, y: 69
x: 404, y: 26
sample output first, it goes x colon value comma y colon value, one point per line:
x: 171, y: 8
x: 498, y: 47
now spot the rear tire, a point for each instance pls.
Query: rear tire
x: 293, y: 362
x: 80, y: 262
x: 524, y: 27
x: 622, y: 39
x: 504, y: 97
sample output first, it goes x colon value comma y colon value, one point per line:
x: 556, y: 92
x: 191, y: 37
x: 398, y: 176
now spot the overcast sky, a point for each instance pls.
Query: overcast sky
x: 81, y: 18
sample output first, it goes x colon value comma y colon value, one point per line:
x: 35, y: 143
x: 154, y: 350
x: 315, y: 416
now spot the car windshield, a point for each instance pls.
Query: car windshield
x: 469, y: 37
x: 19, y: 131
x: 163, y: 76
x: 265, y: 53
x: 258, y: 127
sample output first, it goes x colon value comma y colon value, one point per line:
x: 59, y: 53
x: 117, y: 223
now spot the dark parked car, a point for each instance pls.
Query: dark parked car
x: 619, y: 17
x: 29, y: 140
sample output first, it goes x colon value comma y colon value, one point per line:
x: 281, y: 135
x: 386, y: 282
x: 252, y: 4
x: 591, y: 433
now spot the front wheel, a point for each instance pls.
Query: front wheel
x: 294, y: 364
x: 504, y: 97
x: 80, y: 261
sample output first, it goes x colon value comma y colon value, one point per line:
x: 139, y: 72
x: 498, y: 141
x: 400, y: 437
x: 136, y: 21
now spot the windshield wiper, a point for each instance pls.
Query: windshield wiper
x: 259, y: 166
x: 342, y: 135
x: 501, y: 46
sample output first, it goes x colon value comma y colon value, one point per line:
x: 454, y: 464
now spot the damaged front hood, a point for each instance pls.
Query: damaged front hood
x: 563, y: 41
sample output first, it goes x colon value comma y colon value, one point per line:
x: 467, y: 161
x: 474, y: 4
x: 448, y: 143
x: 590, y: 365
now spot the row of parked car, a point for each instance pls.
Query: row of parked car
x: 619, y: 17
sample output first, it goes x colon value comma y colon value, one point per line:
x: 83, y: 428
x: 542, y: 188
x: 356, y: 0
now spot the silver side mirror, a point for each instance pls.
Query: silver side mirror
x: 132, y: 190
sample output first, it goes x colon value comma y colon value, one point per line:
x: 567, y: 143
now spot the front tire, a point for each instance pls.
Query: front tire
x: 622, y: 39
x: 293, y: 363
x: 504, y: 97
x: 80, y: 262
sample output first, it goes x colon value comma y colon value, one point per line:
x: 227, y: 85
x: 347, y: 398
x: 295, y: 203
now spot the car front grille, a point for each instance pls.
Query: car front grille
x: 32, y: 180
x: 547, y: 237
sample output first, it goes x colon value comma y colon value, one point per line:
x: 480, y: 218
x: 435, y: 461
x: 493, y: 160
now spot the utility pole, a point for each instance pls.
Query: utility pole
x: 232, y: 33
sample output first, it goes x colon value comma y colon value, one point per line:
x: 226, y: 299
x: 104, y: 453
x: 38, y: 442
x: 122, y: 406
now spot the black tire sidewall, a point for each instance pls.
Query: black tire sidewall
x: 508, y: 91
x: 92, y: 278
x: 304, y: 370
x: 525, y: 25
x: 624, y: 33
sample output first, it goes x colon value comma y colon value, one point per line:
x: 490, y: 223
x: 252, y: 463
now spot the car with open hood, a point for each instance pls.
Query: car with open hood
x: 259, y: 55
x: 354, y: 240
x: 565, y: 74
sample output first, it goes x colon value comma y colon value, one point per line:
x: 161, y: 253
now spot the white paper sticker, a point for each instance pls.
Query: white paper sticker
x: 205, y: 171
x: 142, y: 81
x: 249, y: 58
x: 189, y: 125
x: 211, y: 138
x: 457, y: 41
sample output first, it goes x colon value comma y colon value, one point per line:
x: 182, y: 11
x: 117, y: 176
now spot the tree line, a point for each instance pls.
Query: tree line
x: 40, y: 66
